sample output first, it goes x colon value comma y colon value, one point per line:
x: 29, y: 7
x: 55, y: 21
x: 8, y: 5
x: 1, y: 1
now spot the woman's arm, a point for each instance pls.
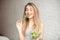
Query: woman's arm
x: 42, y: 33
x: 21, y: 37
x: 19, y: 27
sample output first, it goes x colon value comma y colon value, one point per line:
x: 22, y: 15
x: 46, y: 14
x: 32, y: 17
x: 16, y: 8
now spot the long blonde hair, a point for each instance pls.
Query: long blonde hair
x: 37, y: 22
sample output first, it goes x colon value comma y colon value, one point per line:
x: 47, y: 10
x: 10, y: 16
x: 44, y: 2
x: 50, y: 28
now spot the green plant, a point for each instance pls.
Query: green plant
x: 35, y: 35
x: 25, y: 16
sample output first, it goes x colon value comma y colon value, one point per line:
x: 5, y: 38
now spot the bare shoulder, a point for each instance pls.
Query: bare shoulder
x: 42, y: 26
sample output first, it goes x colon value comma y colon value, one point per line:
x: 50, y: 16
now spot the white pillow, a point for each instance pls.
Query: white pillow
x: 4, y: 38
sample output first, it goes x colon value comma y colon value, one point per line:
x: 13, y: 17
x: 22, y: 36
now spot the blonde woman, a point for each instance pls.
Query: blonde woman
x: 29, y: 23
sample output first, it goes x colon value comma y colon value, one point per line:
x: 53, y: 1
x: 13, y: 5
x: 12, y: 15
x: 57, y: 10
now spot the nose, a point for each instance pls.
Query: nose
x: 28, y: 12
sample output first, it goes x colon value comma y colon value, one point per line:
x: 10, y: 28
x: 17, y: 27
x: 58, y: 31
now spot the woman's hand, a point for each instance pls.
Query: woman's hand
x: 39, y: 38
x: 19, y: 27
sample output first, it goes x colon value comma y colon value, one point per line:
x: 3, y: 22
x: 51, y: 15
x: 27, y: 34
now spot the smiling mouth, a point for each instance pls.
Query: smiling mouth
x: 30, y: 14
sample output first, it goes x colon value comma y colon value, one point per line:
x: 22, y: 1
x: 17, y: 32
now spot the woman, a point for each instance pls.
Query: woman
x: 29, y: 23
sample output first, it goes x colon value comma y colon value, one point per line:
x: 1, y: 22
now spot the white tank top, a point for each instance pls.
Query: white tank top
x: 28, y: 34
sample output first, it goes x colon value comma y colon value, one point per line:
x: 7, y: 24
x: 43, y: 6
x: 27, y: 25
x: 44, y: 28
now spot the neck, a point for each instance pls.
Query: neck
x: 30, y: 20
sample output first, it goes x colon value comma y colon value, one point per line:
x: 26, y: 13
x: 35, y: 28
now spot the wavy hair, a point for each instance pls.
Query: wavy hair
x: 37, y: 22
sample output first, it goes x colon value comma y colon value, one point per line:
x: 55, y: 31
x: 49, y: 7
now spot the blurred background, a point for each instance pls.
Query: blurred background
x: 12, y: 10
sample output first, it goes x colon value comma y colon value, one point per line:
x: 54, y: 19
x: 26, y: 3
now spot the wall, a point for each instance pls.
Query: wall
x: 9, y: 15
x: 0, y: 16
x: 50, y: 16
x: 12, y: 10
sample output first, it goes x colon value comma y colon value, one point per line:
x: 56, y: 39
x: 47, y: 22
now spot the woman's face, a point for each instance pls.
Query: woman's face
x: 29, y: 11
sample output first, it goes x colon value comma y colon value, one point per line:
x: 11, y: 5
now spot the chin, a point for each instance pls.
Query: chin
x: 30, y: 17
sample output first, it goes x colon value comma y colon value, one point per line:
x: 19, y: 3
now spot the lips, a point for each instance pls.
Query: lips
x: 30, y: 14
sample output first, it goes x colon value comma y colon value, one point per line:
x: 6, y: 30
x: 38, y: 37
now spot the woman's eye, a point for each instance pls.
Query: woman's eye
x: 31, y: 9
x: 26, y: 9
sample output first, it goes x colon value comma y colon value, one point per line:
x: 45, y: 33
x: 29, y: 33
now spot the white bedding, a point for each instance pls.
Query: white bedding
x: 4, y: 38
